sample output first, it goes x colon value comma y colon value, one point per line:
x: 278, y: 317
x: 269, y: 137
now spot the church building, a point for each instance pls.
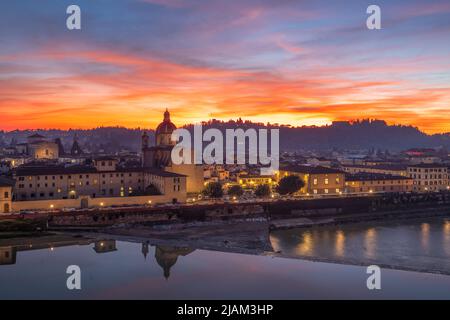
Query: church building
x: 158, y: 156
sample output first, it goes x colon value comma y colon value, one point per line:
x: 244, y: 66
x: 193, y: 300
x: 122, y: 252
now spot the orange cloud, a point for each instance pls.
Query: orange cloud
x: 105, y: 88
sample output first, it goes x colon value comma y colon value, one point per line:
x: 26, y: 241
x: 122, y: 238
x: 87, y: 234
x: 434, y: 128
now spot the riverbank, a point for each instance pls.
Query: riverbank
x: 419, y: 244
x: 308, y: 222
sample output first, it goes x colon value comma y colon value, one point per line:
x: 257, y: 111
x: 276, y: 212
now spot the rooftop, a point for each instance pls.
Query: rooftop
x: 41, y: 170
x: 6, y: 182
x: 310, y: 169
x: 364, y: 176
x: 394, y: 167
x: 162, y: 173
x: 36, y: 135
x: 427, y: 165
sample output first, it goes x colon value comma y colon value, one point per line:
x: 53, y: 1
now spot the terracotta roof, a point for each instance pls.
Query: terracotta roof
x: 6, y: 182
x: 162, y: 173
x: 310, y: 169
x: 427, y: 165
x: 364, y: 176
x: 398, y: 167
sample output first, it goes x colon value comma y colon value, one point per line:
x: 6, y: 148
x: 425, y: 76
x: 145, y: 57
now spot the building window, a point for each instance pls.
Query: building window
x: 315, y: 182
x: 326, y: 180
x: 6, y: 195
x: 325, y: 190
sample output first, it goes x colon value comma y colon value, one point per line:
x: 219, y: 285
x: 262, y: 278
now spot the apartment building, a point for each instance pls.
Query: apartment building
x: 429, y: 177
x: 377, y: 183
x: 318, y: 180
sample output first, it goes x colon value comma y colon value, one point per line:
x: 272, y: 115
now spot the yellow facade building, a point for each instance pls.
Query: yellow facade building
x: 318, y: 180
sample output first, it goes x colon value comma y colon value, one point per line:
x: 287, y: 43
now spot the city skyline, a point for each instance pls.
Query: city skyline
x: 287, y: 62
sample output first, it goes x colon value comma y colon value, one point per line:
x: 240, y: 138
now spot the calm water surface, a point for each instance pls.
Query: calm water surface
x: 117, y: 269
x: 420, y: 244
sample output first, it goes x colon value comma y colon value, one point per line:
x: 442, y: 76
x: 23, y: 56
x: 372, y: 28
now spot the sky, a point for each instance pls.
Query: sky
x: 280, y: 61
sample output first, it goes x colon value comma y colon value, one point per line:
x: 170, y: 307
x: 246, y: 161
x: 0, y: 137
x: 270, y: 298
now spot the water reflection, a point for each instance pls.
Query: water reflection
x: 340, y: 243
x: 425, y: 236
x: 446, y: 236
x: 370, y: 242
x: 409, y: 244
x: 165, y: 256
x: 306, y: 246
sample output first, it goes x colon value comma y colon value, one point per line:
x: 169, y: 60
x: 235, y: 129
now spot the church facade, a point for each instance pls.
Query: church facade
x: 158, y: 156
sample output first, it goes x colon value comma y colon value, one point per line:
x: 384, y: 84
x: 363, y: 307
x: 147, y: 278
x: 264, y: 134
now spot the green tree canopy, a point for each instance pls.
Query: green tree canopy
x: 290, y: 185
x: 213, y: 190
x: 235, y: 191
x: 262, y: 191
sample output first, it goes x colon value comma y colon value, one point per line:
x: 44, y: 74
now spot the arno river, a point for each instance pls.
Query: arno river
x: 129, y: 270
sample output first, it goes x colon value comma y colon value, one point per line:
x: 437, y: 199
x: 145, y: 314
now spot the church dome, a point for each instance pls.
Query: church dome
x: 166, y: 127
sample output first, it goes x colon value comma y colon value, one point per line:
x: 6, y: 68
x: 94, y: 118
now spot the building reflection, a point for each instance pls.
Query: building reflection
x: 167, y: 256
x: 8, y: 254
x: 104, y: 246
x: 144, y: 249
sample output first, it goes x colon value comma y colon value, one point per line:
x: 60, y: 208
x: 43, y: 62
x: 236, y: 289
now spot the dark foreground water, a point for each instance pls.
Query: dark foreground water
x: 115, y: 269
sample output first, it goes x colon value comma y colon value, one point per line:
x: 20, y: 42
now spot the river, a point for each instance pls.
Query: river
x: 112, y: 269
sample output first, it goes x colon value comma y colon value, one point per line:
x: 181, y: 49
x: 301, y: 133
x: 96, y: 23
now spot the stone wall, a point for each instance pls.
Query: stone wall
x: 88, y: 202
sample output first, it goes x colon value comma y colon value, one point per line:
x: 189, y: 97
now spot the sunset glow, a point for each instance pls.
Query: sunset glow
x: 288, y: 62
